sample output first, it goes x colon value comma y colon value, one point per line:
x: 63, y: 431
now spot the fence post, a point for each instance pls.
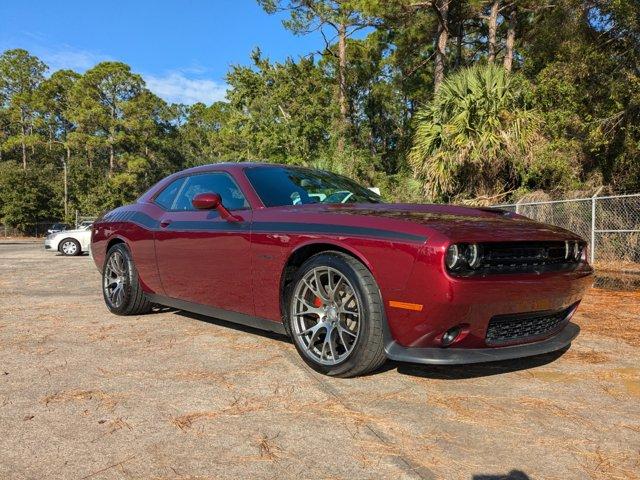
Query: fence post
x: 593, y: 226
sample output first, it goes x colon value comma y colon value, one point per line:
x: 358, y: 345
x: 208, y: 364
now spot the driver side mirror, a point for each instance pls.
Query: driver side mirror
x: 213, y: 201
x: 206, y: 201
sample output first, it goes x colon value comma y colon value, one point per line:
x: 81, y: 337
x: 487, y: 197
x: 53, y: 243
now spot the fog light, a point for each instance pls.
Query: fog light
x: 450, y: 336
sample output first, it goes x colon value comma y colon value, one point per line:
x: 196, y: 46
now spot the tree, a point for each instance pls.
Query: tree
x: 475, y: 135
x: 344, y: 18
x: 53, y: 106
x: 20, y: 77
x: 279, y: 111
x: 27, y: 196
x: 98, y: 103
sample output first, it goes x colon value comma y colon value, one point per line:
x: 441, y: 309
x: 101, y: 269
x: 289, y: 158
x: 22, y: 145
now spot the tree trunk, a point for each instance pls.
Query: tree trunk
x: 112, y: 137
x: 459, y: 39
x: 66, y: 189
x: 111, y: 157
x: 493, y: 27
x: 24, y: 149
x: 442, y: 7
x: 511, y: 39
x: 342, y: 85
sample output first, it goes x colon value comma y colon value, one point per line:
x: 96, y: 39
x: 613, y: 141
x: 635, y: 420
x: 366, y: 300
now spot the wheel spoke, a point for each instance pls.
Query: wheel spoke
x: 347, y: 331
x: 320, y: 290
x: 340, y: 336
x: 115, y: 293
x: 329, y: 339
x: 336, y: 288
x: 347, y: 298
x: 330, y: 288
x: 120, y: 295
x: 348, y: 312
x: 314, y: 337
x: 310, y: 309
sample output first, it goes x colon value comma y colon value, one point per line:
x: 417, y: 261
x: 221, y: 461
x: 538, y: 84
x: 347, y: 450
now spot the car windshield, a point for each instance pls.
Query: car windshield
x: 278, y: 186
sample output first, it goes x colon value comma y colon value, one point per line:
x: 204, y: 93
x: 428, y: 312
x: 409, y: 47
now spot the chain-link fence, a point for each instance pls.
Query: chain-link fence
x: 35, y: 229
x: 611, y: 225
x: 43, y: 227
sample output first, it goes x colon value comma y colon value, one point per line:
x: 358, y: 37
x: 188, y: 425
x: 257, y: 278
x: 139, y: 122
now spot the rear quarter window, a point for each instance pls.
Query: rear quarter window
x: 166, y: 197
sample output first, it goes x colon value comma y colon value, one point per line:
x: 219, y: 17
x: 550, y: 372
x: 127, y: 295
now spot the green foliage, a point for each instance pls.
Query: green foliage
x: 567, y: 118
x: 478, y: 131
x: 27, y: 196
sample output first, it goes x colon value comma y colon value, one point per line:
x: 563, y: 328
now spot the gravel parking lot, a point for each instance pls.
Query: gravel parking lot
x: 86, y: 394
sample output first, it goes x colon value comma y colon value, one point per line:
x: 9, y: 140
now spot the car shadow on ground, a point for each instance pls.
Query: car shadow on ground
x: 225, y: 323
x: 512, y: 475
x: 439, y: 372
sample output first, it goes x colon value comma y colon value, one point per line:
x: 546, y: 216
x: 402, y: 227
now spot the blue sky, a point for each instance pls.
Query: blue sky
x: 183, y: 48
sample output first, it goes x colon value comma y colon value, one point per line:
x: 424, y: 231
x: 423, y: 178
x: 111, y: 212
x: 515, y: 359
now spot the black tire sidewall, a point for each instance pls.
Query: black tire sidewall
x: 336, y: 261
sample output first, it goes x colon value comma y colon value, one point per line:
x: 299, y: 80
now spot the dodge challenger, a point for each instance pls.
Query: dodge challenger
x: 352, y: 280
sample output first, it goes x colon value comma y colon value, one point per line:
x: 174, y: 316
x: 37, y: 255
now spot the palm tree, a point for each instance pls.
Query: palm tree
x: 478, y: 130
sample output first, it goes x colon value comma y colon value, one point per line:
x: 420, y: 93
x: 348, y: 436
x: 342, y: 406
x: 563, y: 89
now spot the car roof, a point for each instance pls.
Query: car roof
x: 228, y: 166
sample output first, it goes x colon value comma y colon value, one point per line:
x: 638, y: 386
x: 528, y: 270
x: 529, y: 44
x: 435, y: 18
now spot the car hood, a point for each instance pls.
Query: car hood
x: 455, y: 222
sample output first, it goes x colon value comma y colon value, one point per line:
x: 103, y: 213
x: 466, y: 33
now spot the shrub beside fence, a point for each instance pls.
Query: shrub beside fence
x: 611, y: 225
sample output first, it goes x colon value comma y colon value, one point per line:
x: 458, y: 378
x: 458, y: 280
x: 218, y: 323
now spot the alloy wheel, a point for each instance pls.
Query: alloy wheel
x: 115, y: 278
x: 325, y: 314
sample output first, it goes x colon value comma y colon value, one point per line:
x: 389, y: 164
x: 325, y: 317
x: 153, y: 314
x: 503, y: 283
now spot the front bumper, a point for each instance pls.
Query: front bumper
x: 48, y: 245
x: 457, y: 356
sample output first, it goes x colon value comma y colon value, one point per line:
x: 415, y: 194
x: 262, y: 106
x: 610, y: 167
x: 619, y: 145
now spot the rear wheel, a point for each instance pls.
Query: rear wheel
x: 121, y: 288
x: 335, y: 315
x: 70, y: 247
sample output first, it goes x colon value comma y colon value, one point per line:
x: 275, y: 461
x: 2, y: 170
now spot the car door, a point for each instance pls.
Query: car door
x: 203, y: 258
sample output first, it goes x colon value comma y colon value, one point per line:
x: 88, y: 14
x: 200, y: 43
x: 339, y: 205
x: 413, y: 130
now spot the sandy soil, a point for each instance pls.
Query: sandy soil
x: 85, y: 394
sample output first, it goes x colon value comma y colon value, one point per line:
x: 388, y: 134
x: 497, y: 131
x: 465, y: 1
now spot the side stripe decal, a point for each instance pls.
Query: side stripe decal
x: 149, y: 223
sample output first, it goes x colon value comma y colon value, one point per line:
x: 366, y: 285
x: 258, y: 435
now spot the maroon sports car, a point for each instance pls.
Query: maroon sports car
x: 351, y: 279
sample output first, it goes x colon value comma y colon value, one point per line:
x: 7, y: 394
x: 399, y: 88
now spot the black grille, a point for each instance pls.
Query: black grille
x: 505, y: 329
x: 522, y: 257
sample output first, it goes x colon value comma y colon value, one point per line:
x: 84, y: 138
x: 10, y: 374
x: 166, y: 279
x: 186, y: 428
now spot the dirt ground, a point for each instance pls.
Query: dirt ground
x: 86, y: 394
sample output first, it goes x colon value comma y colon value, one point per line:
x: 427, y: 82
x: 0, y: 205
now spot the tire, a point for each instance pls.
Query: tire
x: 121, y: 287
x: 70, y: 247
x: 355, y: 345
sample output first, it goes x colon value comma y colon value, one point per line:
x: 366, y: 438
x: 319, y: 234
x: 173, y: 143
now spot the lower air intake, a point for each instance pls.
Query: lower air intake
x: 504, y: 329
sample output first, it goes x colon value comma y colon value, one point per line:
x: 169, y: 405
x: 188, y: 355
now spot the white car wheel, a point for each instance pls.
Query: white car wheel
x: 70, y: 247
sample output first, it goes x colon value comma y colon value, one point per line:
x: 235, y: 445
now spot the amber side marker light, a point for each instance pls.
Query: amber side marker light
x: 416, y: 307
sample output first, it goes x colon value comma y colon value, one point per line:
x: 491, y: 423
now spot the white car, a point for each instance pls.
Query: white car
x: 69, y: 242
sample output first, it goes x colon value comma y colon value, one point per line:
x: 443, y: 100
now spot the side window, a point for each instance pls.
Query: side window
x: 220, y: 183
x: 165, y: 197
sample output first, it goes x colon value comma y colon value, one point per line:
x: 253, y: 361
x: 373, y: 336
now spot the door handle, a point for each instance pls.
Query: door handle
x: 165, y: 223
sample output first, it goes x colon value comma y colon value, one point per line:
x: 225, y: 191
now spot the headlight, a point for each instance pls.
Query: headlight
x: 463, y: 255
x: 472, y: 255
x: 577, y: 251
x: 573, y: 250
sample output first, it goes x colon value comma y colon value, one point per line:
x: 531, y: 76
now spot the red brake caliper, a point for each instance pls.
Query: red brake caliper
x: 317, y: 302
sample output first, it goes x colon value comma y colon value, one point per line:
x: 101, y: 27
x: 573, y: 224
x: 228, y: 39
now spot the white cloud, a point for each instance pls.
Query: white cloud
x: 78, y: 60
x: 176, y: 87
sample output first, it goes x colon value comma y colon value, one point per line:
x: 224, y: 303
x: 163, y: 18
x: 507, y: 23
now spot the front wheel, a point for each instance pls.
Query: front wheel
x: 121, y: 287
x: 335, y: 315
x: 70, y: 247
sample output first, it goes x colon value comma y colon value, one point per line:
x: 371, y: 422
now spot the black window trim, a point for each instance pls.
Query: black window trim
x: 188, y: 175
